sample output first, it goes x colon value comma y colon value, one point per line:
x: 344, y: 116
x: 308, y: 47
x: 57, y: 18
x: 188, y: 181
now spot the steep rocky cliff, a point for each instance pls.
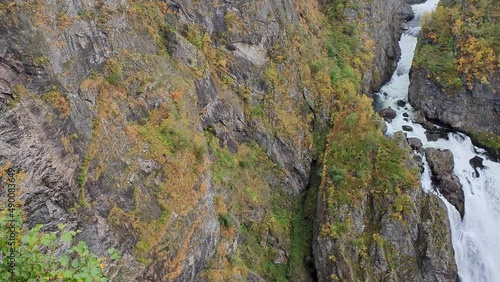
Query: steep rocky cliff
x: 384, y: 22
x: 476, y: 111
x: 190, y: 134
x: 387, y: 229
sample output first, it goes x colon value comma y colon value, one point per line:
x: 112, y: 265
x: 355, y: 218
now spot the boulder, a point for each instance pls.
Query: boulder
x: 412, y: 2
x: 427, y: 125
x: 441, y: 164
x: 415, y: 143
x: 388, y: 114
x: 476, y: 162
x: 407, y: 128
x: 406, y: 115
x: 440, y: 161
x: 401, y: 103
x: 431, y: 137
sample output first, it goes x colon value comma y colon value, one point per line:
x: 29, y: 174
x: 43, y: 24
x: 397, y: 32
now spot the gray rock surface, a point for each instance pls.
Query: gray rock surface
x: 407, y: 128
x: 441, y: 164
x: 88, y: 169
x: 384, y: 21
x: 467, y: 111
x: 37, y: 56
x: 388, y: 114
x: 415, y: 143
x: 415, y: 247
x: 412, y: 2
x: 476, y: 162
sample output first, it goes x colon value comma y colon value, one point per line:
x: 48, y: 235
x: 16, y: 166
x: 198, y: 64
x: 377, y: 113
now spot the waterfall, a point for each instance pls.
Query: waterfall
x: 476, y: 238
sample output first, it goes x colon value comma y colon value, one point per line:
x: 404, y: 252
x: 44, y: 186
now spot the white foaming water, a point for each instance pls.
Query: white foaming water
x: 476, y: 238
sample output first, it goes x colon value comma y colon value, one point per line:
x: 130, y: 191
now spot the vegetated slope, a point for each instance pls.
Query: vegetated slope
x: 197, y: 137
x: 456, y: 78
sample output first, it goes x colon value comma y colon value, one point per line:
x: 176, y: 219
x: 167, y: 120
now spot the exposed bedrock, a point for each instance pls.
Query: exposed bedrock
x: 81, y: 100
x: 441, y: 164
x: 379, y: 246
x: 475, y: 112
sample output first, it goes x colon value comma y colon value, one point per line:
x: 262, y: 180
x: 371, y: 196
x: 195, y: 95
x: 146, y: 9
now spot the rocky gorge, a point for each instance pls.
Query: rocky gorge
x: 221, y: 140
x: 462, y: 174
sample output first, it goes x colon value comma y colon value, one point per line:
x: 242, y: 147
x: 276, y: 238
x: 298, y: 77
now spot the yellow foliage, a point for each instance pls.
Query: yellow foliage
x: 176, y: 266
x: 460, y: 43
x: 477, y: 59
x: 58, y: 101
x: 232, y: 21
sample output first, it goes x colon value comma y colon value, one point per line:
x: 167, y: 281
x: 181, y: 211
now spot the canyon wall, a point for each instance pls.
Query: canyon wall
x: 191, y: 136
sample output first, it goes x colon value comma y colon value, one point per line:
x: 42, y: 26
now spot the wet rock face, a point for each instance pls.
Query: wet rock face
x: 434, y: 133
x: 441, y: 164
x: 407, y: 128
x: 476, y: 162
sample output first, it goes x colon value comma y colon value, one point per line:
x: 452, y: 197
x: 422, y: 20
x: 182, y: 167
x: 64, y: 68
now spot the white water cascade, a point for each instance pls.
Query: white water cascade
x: 476, y: 238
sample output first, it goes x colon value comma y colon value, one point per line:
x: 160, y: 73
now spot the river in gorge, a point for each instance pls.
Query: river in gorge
x: 476, y: 237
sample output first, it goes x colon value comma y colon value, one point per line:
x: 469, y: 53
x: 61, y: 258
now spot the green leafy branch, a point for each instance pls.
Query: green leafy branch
x: 37, y: 259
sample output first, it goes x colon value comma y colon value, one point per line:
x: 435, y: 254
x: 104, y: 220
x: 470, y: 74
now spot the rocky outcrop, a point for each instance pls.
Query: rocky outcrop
x: 432, y: 132
x: 477, y: 110
x: 385, y: 21
x: 418, y: 249
x: 380, y: 244
x: 441, y: 164
x: 257, y: 29
x: 415, y: 143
